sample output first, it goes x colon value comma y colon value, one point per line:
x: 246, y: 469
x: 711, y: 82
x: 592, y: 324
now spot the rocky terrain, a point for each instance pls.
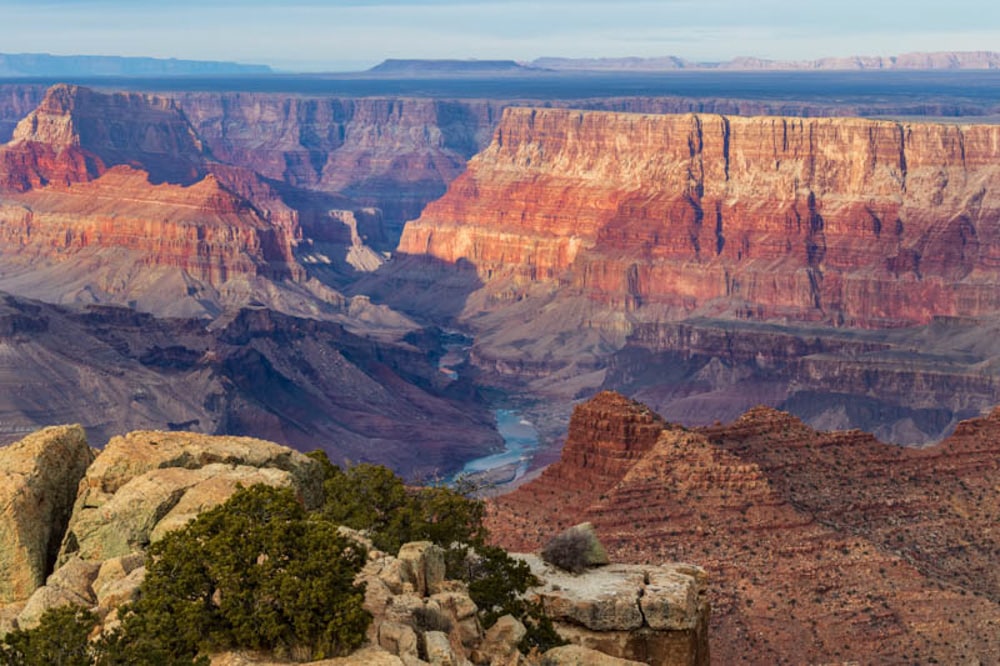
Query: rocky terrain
x: 90, y: 551
x: 824, y: 547
x: 691, y: 262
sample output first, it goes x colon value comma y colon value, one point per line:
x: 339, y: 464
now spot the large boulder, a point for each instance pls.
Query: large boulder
x: 652, y: 614
x: 38, y: 480
x: 145, y: 484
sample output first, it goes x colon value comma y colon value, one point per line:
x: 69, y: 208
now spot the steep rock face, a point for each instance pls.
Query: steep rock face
x: 820, y: 546
x: 17, y: 101
x: 869, y: 223
x: 395, y: 154
x: 37, y: 478
x: 87, y: 172
x: 75, y: 134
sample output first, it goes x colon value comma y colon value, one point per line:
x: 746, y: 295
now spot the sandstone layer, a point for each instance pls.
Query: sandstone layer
x: 820, y: 546
x: 848, y: 221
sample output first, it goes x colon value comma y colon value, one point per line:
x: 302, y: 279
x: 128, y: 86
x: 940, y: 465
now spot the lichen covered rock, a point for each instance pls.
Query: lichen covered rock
x: 38, y: 479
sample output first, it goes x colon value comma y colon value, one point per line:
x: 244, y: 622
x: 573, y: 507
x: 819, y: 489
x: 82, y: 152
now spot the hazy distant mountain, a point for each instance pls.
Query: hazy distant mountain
x: 44, y: 64
x: 449, y: 67
x: 907, y: 61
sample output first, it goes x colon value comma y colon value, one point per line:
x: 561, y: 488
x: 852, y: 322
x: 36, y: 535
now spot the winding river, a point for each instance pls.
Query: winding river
x: 519, y: 435
x: 520, y: 442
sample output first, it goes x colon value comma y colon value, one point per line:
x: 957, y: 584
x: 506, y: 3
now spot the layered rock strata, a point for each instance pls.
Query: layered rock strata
x: 298, y: 381
x: 849, y: 221
x: 820, y: 546
x: 88, y: 172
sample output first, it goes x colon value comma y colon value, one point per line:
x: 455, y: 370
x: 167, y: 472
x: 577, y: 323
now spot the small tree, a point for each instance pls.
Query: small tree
x: 256, y: 573
x: 60, y: 639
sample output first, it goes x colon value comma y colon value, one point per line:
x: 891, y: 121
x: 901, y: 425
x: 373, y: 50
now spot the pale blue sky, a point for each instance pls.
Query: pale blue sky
x: 350, y: 34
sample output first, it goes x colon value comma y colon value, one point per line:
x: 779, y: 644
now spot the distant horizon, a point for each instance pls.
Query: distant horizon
x: 358, y: 67
x: 304, y: 36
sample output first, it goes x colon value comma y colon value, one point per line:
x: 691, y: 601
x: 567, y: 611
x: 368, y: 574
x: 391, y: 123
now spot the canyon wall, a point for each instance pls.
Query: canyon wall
x: 847, y: 221
x: 88, y: 172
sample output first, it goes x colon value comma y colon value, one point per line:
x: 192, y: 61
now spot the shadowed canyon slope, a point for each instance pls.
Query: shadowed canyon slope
x: 308, y: 383
x: 592, y: 227
x: 820, y: 546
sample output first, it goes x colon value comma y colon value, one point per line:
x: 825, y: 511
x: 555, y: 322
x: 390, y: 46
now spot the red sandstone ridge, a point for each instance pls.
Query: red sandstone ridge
x: 821, y: 547
x: 88, y: 173
x: 852, y: 221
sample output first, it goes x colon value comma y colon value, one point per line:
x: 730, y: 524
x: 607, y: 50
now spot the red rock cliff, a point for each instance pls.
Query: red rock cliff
x: 856, y: 221
x: 87, y: 170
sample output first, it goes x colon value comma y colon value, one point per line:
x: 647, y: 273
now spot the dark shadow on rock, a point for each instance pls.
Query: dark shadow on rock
x: 427, y: 289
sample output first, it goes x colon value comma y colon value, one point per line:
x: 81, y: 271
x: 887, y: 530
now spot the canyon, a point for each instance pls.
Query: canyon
x: 820, y: 545
x: 701, y: 263
x: 842, y: 268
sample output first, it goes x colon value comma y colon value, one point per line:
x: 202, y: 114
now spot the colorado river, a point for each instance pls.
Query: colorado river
x: 520, y: 442
x: 519, y: 435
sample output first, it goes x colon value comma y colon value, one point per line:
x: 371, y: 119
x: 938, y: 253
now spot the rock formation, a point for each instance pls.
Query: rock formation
x: 145, y: 484
x: 649, y: 614
x: 139, y: 487
x: 88, y: 173
x: 820, y: 546
x: 867, y: 223
x: 38, y: 476
x: 670, y: 237
x: 394, y: 154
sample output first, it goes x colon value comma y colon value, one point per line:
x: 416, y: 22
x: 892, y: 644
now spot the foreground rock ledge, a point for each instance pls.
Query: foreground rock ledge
x: 652, y: 614
x: 38, y: 479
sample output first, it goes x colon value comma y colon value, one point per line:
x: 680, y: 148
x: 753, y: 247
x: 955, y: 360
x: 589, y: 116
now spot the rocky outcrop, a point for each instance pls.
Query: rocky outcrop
x: 819, y: 546
x: 868, y: 223
x: 650, y: 614
x: 38, y: 475
x: 146, y: 483
x: 655, y: 614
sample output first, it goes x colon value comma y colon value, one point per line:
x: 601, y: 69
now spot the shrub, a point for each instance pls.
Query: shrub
x: 575, y: 549
x: 497, y: 583
x: 372, y: 498
x: 60, y: 639
x: 256, y: 573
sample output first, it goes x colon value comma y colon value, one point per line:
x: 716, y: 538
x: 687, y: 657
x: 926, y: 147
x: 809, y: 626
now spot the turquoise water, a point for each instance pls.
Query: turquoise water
x: 521, y: 442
